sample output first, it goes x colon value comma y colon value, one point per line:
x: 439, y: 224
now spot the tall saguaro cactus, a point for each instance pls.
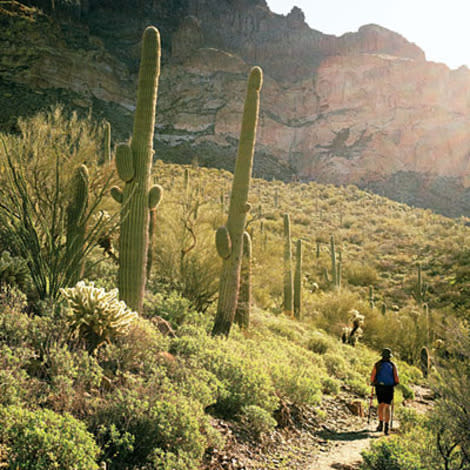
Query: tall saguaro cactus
x: 298, y: 281
x: 229, y: 237
x: 134, y: 163
x: 76, y: 222
x: 334, y: 267
x: 242, y: 313
x: 288, y: 281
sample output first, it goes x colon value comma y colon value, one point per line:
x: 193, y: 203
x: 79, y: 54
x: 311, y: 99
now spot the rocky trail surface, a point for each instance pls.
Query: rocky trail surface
x: 332, y: 438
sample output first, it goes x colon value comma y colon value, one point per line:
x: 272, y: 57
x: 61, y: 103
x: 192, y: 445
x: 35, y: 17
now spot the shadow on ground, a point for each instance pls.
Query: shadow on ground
x: 349, y: 435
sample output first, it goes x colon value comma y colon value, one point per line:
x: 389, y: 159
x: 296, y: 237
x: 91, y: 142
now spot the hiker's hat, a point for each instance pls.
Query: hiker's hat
x: 387, y: 353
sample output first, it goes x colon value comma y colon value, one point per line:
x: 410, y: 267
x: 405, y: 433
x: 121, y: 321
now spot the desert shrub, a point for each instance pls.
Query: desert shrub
x: 148, y: 418
x: 42, y: 439
x: 172, y: 307
x: 360, y: 274
x: 318, y: 343
x: 244, y: 381
x: 16, y: 386
x: 390, y: 454
x: 330, y: 386
x: 74, y: 378
x: 95, y: 315
x: 257, y: 421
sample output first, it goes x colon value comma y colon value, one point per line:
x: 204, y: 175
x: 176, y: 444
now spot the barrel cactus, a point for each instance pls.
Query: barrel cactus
x: 229, y: 238
x: 134, y: 163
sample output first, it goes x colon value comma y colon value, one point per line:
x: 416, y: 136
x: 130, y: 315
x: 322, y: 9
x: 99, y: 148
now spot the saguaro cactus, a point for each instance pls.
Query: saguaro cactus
x: 107, y: 143
x: 76, y: 222
x: 229, y: 237
x: 421, y: 287
x: 298, y: 281
x: 242, y: 313
x: 288, y: 281
x: 134, y: 162
x: 371, y: 297
x: 334, y: 267
x: 425, y: 361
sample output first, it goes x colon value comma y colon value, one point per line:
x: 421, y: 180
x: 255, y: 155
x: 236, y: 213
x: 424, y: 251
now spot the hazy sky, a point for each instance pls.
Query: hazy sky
x: 441, y: 28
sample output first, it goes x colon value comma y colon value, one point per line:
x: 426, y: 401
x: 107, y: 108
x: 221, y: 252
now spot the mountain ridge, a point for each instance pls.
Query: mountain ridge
x: 363, y: 108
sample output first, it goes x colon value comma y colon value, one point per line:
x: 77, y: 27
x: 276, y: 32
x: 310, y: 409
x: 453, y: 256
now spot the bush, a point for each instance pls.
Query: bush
x: 150, y: 420
x: 36, y: 440
x: 390, y: 454
x: 257, y: 421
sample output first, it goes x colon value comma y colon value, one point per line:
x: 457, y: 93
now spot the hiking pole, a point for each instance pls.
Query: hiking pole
x: 370, y: 403
x: 391, y: 414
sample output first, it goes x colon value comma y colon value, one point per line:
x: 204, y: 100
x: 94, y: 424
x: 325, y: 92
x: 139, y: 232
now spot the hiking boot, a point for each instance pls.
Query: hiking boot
x: 386, y: 431
x: 380, y: 427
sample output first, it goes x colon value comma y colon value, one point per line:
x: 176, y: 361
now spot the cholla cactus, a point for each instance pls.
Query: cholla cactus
x: 351, y: 335
x: 98, y: 316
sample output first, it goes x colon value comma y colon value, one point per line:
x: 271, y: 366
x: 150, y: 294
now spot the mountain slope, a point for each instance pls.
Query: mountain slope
x: 364, y: 108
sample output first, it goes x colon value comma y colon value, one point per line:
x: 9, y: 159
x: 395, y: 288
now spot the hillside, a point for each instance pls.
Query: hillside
x: 365, y: 108
x: 86, y: 381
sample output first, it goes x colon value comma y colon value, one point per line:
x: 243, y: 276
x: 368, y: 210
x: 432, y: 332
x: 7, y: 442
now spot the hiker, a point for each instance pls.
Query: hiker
x: 384, y: 377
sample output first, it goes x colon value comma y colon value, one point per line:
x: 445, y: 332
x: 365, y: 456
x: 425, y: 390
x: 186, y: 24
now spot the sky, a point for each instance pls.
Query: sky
x: 441, y: 28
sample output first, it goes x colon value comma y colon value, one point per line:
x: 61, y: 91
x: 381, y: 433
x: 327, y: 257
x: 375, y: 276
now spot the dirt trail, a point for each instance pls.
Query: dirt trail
x: 343, y: 445
x: 344, y: 450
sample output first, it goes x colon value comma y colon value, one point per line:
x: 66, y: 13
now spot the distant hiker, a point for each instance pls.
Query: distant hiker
x: 384, y: 377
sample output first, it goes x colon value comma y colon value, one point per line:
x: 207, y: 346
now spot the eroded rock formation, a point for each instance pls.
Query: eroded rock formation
x: 365, y: 108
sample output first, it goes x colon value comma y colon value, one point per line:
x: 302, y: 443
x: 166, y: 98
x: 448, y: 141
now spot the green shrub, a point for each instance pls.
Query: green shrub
x: 257, y: 421
x: 36, y: 440
x: 390, y: 454
x: 142, y: 422
x: 318, y: 343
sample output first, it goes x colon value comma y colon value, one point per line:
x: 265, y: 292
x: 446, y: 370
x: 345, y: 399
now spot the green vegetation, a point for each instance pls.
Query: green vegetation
x: 84, y: 379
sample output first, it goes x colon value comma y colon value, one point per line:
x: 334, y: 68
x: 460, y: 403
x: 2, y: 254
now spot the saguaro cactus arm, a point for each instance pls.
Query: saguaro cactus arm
x: 155, y: 196
x: 223, y: 242
x: 124, y: 162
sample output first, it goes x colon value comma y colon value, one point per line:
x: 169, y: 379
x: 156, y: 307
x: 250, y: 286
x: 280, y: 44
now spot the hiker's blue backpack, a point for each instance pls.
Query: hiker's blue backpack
x: 384, y: 374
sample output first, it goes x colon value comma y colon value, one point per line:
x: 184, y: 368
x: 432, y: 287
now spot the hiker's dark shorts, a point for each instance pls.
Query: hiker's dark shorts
x: 384, y: 394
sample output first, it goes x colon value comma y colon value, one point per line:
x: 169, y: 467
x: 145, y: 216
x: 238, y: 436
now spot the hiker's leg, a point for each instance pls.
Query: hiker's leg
x: 381, y: 411
x: 386, y: 412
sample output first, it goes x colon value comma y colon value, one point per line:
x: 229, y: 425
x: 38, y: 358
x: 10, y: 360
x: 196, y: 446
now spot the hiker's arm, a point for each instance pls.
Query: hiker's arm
x: 372, y: 377
x: 395, y: 375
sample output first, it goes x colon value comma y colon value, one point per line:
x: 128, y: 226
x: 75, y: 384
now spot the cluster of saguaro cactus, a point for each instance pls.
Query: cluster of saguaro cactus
x: 242, y: 313
x: 298, y: 281
x: 134, y: 162
x: 288, y: 306
x: 76, y: 222
x: 229, y: 238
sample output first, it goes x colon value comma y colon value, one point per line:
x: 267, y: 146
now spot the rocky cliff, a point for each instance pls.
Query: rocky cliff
x: 365, y: 108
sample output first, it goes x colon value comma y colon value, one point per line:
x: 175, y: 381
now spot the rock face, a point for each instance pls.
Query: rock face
x: 365, y: 108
